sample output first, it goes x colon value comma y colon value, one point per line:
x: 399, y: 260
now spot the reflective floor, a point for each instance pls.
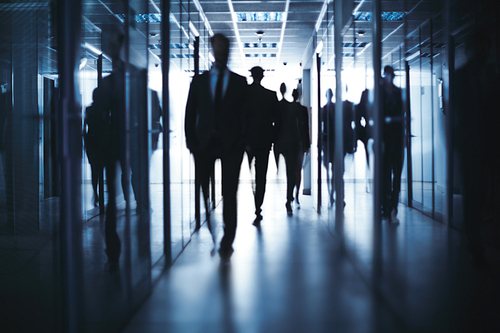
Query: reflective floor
x: 307, y: 274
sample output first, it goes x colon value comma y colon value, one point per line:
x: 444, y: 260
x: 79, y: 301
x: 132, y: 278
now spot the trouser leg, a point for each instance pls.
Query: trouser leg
x: 291, y: 163
x: 204, y: 165
x: 397, y: 168
x: 298, y: 174
x: 386, y: 183
x: 231, y: 164
x: 111, y: 236
x: 261, y: 165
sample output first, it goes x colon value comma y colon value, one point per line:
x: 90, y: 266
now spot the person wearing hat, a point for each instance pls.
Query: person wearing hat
x: 260, y: 133
x: 393, y: 145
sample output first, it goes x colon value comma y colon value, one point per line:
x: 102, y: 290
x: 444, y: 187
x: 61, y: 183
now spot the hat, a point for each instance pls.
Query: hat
x: 257, y: 71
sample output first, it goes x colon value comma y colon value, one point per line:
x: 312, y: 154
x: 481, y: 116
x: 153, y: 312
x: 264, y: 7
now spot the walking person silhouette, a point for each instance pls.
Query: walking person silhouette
x: 215, y: 129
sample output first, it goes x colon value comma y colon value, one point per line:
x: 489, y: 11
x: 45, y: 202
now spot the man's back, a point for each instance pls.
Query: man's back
x: 261, y: 114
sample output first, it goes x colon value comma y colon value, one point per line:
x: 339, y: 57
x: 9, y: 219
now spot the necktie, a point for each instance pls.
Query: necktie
x: 218, y: 87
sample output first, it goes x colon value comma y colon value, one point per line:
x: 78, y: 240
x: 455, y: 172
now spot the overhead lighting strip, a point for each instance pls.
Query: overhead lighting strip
x: 321, y: 14
x: 260, y: 16
x: 356, y: 10
x: 283, y: 26
x: 236, y: 31
x: 203, y: 17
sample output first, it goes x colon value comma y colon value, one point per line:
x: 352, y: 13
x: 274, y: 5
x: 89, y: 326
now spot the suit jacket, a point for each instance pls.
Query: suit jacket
x: 392, y: 108
x: 203, y: 121
x: 262, y: 110
x: 294, y: 128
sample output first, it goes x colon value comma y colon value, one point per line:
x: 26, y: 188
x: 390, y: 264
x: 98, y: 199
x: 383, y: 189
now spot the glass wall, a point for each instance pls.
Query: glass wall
x: 426, y: 59
x: 186, y: 25
x: 29, y: 182
x: 356, y: 80
x: 118, y: 87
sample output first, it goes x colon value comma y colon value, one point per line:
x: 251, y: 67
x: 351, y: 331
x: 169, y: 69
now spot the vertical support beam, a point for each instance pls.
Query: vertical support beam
x: 196, y: 55
x: 306, y: 101
x: 409, y: 163
x: 377, y: 107
x: 320, y: 137
x: 407, y: 106
x: 23, y: 185
x: 70, y: 152
x: 448, y: 104
x: 197, y: 185
x: 432, y: 123
x: 421, y: 119
x: 101, y: 173
x: 165, y: 66
x: 339, y: 117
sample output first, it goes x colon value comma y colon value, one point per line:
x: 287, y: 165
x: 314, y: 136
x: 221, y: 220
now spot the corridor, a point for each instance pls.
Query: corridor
x: 304, y: 274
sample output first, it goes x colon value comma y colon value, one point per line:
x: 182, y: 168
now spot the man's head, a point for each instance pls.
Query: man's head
x: 283, y: 89
x: 220, y: 46
x: 257, y: 73
x: 295, y: 95
x: 329, y: 95
x: 389, y: 73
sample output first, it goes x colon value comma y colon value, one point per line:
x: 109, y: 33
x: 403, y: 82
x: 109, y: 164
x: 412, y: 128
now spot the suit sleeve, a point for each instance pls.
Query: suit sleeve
x: 191, y: 115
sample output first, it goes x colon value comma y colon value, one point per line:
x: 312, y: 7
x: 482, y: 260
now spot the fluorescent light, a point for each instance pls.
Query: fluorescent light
x: 83, y: 62
x: 413, y: 56
x: 358, y: 7
x: 260, y: 16
x: 92, y: 48
x: 321, y: 14
x: 203, y: 17
x: 193, y: 29
x: 236, y: 31
x: 319, y: 48
x: 280, y: 45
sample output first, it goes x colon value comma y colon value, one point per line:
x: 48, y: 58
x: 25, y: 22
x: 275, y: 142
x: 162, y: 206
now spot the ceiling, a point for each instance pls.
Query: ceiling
x: 291, y: 30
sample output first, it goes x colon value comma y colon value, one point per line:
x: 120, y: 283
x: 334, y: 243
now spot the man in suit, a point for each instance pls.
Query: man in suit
x: 327, y: 132
x: 214, y: 127
x: 261, y: 116
x: 292, y: 142
x: 393, y: 145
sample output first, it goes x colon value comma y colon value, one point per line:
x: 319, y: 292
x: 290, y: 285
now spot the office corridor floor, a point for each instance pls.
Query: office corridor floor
x: 307, y: 274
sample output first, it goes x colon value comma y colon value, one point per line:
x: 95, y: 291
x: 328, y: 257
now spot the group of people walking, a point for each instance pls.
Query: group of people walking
x: 226, y: 118
x: 356, y: 127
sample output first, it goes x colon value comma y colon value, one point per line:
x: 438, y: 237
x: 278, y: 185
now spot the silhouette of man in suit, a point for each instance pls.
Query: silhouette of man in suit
x: 94, y: 136
x: 328, y: 140
x: 215, y: 129
x: 113, y: 108
x: 393, y: 145
x: 261, y: 114
x: 304, y: 143
x: 292, y: 142
x: 362, y: 129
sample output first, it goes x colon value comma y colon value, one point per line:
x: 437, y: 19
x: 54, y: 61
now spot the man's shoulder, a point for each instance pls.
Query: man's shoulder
x: 271, y: 93
x: 238, y: 77
x: 202, y: 76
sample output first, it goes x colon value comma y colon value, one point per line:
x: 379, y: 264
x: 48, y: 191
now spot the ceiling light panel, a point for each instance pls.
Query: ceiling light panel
x: 260, y: 45
x: 386, y: 16
x: 260, y: 17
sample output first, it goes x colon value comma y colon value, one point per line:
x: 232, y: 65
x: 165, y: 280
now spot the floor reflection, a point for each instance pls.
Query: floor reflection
x: 300, y: 274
